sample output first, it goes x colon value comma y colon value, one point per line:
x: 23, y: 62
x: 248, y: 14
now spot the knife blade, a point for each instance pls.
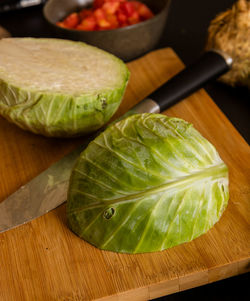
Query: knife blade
x: 49, y: 189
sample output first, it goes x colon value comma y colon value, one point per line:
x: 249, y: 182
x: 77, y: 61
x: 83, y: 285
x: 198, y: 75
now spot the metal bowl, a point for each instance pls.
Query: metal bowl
x: 126, y: 42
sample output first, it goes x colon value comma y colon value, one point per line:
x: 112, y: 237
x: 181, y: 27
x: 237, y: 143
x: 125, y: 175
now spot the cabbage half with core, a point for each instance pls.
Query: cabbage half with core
x: 147, y: 183
x: 57, y: 87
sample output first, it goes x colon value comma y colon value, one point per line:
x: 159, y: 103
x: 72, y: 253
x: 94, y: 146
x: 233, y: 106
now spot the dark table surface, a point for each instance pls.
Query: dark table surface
x: 185, y: 32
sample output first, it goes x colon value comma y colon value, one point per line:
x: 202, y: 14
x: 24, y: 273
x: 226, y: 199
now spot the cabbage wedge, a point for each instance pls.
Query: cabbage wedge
x: 57, y: 87
x: 147, y: 183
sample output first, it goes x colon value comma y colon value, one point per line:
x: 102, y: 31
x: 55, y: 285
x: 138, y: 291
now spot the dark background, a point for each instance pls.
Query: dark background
x: 186, y: 33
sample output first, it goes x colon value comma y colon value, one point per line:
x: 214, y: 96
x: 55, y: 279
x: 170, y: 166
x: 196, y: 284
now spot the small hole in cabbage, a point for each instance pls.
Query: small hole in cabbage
x: 223, y: 188
x: 108, y: 213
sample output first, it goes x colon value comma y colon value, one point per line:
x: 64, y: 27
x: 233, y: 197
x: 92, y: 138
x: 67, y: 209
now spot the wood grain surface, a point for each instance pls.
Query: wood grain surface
x: 4, y: 33
x: 44, y: 260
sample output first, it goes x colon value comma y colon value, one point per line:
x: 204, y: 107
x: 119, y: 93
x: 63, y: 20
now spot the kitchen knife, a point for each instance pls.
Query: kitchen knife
x: 49, y: 189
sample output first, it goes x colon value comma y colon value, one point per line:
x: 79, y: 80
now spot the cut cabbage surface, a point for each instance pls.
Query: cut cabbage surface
x: 58, y: 87
x: 147, y: 183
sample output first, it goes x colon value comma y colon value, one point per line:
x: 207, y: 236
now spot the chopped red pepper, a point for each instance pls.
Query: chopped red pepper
x: 107, y: 14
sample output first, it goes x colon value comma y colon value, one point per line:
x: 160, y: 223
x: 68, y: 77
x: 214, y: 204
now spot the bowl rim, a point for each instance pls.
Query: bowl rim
x: 120, y: 29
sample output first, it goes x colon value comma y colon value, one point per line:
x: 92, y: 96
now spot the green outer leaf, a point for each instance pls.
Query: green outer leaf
x: 147, y: 183
x: 61, y: 115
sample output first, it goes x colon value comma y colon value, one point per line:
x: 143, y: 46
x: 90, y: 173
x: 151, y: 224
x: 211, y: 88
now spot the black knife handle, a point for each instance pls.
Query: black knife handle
x: 210, y: 65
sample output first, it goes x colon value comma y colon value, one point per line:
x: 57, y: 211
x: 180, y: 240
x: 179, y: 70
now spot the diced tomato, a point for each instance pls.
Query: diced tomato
x: 61, y: 24
x: 136, y: 4
x: 124, y: 24
x: 72, y: 20
x: 134, y: 18
x: 99, y: 14
x: 89, y: 23
x: 111, y: 7
x: 103, y: 24
x: 85, y: 13
x: 108, y: 14
x: 128, y: 8
x: 101, y: 19
x: 112, y: 19
x: 98, y: 3
x: 144, y: 12
x: 122, y: 18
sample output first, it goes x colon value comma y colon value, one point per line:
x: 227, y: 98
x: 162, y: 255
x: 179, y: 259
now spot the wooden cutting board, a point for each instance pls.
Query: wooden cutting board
x: 44, y: 260
x: 4, y: 33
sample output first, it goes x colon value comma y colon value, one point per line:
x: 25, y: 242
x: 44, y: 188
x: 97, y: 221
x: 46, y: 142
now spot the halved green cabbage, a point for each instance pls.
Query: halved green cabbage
x: 58, y: 87
x: 147, y: 183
